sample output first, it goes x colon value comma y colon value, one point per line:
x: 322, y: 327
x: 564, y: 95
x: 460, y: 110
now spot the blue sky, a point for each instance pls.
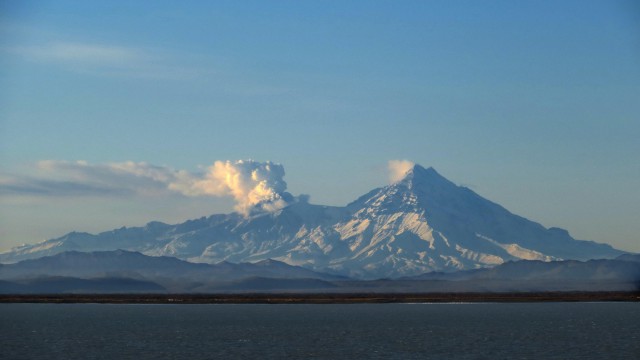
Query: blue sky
x: 532, y: 104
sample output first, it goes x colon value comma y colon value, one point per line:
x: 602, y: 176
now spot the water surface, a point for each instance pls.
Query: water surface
x: 353, y: 331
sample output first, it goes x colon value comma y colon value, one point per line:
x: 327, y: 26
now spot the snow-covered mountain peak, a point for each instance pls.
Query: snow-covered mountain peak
x: 424, y: 179
x: 418, y: 190
x: 419, y: 170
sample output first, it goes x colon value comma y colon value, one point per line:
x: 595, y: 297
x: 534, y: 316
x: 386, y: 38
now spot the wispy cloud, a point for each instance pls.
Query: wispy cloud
x: 77, y: 53
x: 34, y: 187
x: 80, y: 179
x: 106, y: 60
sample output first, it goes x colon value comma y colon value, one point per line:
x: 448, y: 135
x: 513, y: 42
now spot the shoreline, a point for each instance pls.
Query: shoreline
x: 321, y: 298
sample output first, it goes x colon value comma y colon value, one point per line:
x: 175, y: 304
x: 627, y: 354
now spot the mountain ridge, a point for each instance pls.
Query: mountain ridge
x: 130, y: 264
x: 421, y: 223
x: 84, y: 273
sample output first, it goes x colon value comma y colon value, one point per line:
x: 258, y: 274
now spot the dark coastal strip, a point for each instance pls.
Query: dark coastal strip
x: 263, y: 298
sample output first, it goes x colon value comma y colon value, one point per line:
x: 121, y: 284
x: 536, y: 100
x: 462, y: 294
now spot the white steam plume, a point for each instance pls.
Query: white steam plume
x: 398, y: 169
x: 252, y: 184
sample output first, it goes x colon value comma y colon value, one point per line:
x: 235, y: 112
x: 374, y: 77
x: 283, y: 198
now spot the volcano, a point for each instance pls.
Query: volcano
x: 421, y: 223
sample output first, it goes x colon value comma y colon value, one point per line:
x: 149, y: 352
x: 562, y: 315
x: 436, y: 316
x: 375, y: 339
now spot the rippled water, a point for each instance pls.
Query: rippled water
x: 355, y: 331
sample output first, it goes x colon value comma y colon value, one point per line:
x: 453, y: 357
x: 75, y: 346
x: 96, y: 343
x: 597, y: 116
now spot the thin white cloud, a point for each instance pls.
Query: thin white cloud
x: 80, y: 179
x: 78, y: 53
x: 35, y: 187
x: 107, y: 60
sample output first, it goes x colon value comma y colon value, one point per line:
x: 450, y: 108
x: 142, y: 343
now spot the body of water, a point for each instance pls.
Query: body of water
x: 353, y: 331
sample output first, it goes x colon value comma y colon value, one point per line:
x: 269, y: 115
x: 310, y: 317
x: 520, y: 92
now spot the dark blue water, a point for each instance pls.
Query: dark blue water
x: 356, y: 331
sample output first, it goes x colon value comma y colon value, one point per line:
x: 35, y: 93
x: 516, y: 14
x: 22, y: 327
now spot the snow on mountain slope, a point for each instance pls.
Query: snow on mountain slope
x: 421, y: 223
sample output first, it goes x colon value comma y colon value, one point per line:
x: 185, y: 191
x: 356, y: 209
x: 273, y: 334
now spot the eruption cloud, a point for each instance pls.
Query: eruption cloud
x: 252, y: 184
x: 398, y: 169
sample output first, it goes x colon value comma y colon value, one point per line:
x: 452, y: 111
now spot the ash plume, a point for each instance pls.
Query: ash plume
x: 252, y: 184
